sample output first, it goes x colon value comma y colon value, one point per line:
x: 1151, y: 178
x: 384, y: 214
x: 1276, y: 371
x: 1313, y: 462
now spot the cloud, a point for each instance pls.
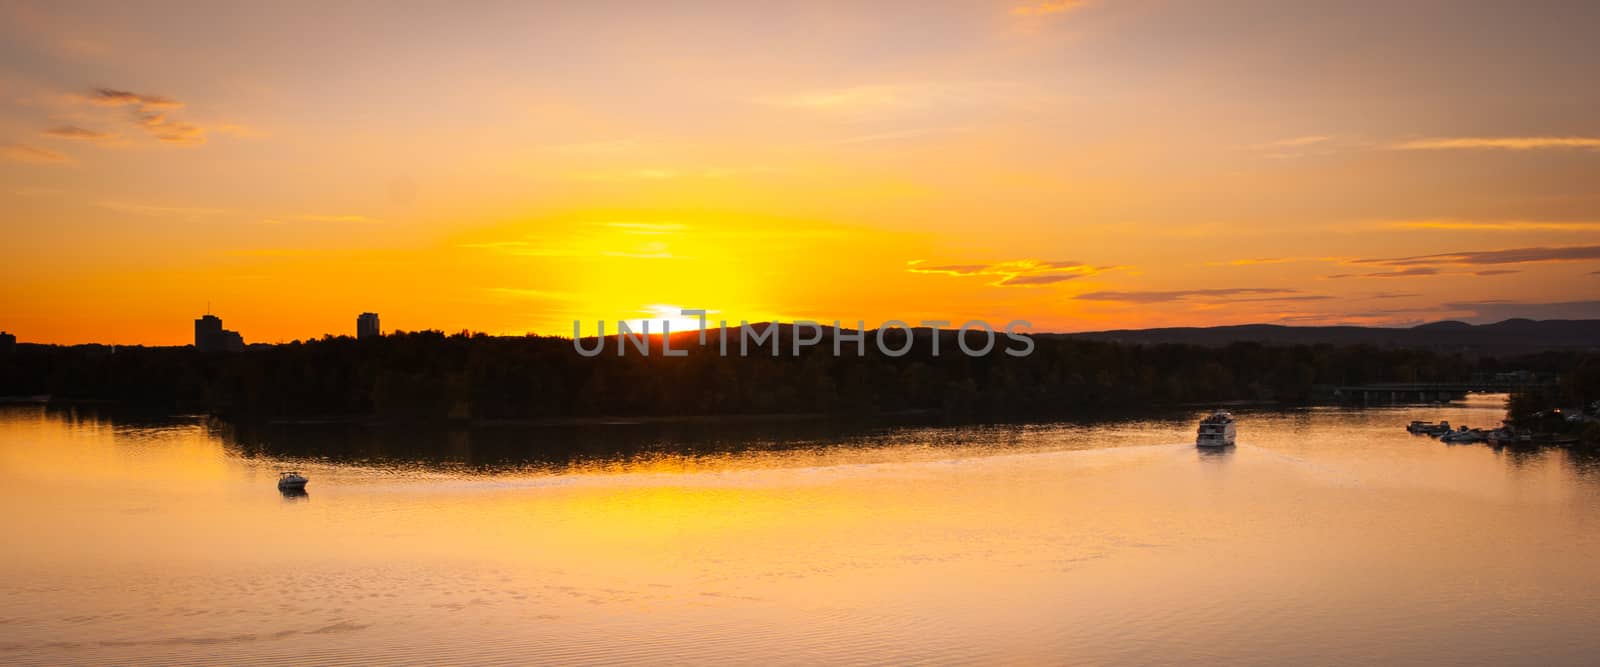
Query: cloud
x: 645, y: 228
x: 1495, y: 272
x: 1047, y: 7
x: 1407, y: 272
x: 1495, y: 311
x: 1393, y: 295
x: 153, y: 114
x: 160, y: 126
x: 110, y: 97
x: 1293, y: 142
x: 1039, y: 279
x: 1254, y: 261
x: 1307, y: 145
x: 24, y: 153
x: 907, y: 98
x: 1485, y: 257
x: 1497, y: 143
x: 1495, y: 225
x: 78, y: 133
x: 1015, y: 273
x: 950, y: 269
x: 1223, y: 294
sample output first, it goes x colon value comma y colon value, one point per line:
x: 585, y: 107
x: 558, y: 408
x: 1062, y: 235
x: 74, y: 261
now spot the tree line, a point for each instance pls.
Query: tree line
x: 429, y: 375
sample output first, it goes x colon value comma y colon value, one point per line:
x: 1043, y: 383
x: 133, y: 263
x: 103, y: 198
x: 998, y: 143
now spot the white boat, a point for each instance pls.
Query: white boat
x: 291, y: 481
x: 1216, y: 430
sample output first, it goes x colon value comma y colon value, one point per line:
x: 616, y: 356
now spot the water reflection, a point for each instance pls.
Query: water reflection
x: 1585, y: 462
x: 657, y: 445
x: 1325, y: 532
x: 1521, y: 456
x: 294, y: 495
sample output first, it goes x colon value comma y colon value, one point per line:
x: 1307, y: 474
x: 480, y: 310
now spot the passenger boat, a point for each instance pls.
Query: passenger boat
x: 291, y: 481
x: 1216, y: 430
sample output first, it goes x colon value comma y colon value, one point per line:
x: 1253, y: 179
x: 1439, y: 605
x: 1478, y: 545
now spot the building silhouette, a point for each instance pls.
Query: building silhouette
x: 367, y: 326
x: 209, y: 336
x: 8, y: 343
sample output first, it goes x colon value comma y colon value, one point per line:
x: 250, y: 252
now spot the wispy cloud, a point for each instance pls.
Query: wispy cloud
x: 1294, y: 142
x: 1494, y: 311
x: 1232, y: 295
x: 33, y: 154
x: 1482, y: 257
x: 1256, y: 261
x: 1495, y: 225
x: 1039, y: 279
x: 172, y: 131
x: 917, y: 266
x: 887, y: 97
x: 1047, y: 7
x: 644, y: 228
x: 1496, y: 143
x: 1307, y: 145
x: 1408, y: 272
x: 152, y: 113
x: 115, y: 98
x: 1015, y: 273
x: 76, y: 133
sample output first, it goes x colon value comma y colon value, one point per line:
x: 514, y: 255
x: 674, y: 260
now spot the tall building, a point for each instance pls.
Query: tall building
x: 209, y: 336
x: 8, y: 343
x: 367, y: 326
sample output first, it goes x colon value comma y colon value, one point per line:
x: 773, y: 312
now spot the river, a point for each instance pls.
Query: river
x: 1327, y: 536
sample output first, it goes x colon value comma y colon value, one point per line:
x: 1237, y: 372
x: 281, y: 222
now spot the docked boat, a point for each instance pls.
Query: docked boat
x: 291, y: 481
x: 1429, y: 428
x: 1464, y: 435
x: 1216, y: 430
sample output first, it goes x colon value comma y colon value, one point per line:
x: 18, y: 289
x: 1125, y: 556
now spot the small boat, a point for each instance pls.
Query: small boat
x: 291, y: 481
x: 1216, y: 430
x: 1429, y: 428
x: 1464, y: 435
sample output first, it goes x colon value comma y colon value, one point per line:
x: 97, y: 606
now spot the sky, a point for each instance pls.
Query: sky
x: 513, y: 167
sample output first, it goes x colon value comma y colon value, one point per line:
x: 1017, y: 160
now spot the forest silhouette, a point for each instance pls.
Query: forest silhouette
x: 429, y: 375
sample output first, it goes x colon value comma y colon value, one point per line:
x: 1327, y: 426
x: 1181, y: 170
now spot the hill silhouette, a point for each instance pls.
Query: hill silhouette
x: 1509, y: 337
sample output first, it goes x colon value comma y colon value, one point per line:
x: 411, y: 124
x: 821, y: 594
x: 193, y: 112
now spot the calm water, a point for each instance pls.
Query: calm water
x: 1326, y: 536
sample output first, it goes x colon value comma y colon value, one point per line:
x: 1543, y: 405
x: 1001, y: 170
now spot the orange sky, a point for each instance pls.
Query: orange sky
x: 508, y: 167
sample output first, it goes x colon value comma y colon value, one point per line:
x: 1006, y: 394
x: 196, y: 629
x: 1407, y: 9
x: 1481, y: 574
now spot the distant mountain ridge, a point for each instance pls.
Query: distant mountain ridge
x: 1514, y: 336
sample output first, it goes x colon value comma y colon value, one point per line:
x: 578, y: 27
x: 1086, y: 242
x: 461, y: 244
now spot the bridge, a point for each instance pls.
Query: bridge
x: 1428, y: 392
